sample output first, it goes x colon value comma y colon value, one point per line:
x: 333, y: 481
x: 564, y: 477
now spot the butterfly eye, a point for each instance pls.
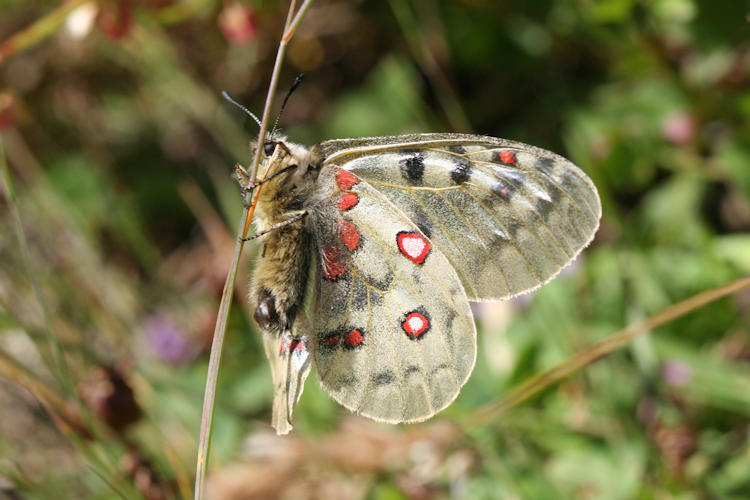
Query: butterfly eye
x: 268, y: 148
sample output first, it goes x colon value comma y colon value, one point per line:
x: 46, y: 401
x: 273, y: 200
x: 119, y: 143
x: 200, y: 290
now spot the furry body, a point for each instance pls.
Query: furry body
x: 282, y: 270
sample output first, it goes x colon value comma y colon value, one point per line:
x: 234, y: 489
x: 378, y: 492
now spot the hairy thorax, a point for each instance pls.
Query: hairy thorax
x: 282, y: 269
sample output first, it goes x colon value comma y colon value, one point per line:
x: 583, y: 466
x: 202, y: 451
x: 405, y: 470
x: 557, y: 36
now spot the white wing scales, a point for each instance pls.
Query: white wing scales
x: 508, y: 216
x: 290, y: 361
x: 407, y: 229
x: 395, y: 335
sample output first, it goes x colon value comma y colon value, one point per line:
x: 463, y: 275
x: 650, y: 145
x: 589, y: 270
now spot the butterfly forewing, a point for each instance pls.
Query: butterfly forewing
x: 508, y: 216
x: 395, y: 335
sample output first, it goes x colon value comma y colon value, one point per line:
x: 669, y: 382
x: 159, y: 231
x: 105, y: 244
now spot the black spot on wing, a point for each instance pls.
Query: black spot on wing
x: 457, y: 148
x: 504, y: 190
x: 545, y: 165
x: 554, y: 192
x: 416, y: 276
x: 383, y: 378
x: 498, y: 241
x: 461, y: 171
x: 544, y: 207
x: 422, y: 221
x: 410, y: 370
x: 441, y: 366
x: 359, y: 295
x: 348, y: 380
x: 382, y: 283
x: 450, y: 318
x: 412, y: 166
x: 376, y: 299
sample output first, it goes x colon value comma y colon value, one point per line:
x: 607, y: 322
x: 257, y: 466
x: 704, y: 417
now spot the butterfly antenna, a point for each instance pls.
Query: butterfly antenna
x: 294, y: 86
x: 229, y: 98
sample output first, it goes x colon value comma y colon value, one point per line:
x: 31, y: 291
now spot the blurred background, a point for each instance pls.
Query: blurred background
x: 119, y: 152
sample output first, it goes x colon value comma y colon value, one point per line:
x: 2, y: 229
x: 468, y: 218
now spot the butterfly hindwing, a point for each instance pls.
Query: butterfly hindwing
x: 508, y: 216
x: 289, y: 358
x: 394, y: 335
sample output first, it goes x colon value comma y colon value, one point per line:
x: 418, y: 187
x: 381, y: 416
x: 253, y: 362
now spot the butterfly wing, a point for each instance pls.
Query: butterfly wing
x: 508, y: 216
x: 394, y: 335
x: 289, y: 357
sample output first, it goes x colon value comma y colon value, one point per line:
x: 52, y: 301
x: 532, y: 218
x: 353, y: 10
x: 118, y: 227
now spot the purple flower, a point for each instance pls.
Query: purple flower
x: 168, y: 340
x: 677, y: 372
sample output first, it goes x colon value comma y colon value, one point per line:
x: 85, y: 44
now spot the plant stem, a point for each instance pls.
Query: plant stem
x: 209, y: 399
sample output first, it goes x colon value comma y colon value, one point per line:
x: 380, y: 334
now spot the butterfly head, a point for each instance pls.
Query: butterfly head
x: 288, y: 172
x: 283, y: 163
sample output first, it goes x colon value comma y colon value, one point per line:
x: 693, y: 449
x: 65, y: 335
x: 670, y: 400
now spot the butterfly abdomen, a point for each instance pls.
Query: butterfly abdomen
x: 280, y: 277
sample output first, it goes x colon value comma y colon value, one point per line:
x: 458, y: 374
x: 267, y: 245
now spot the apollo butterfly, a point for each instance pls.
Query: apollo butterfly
x: 378, y: 245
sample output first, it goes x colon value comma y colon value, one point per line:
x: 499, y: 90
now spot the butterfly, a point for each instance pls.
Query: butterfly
x: 373, y: 247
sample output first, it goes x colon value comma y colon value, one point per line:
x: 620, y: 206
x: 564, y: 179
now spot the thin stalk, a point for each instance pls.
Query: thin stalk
x: 526, y: 390
x: 209, y: 399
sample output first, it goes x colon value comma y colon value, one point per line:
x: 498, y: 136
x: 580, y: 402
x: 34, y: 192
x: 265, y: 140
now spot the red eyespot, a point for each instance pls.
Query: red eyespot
x: 416, y: 324
x: 346, y: 179
x: 331, y: 340
x: 347, y: 200
x: 355, y: 338
x: 413, y: 245
x: 349, y: 235
x: 333, y: 263
x: 507, y: 157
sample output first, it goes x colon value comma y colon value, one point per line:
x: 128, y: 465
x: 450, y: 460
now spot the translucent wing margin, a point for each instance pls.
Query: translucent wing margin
x: 289, y: 357
x: 394, y: 335
x: 508, y: 216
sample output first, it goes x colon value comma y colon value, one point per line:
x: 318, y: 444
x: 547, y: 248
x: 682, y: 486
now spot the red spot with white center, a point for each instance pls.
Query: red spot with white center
x: 333, y: 263
x: 507, y: 157
x: 347, y: 200
x: 346, y: 179
x: 349, y: 234
x: 355, y: 338
x: 415, y: 325
x: 413, y: 245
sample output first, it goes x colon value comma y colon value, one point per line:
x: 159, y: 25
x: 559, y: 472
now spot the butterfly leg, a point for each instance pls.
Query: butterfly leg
x: 299, y: 215
x: 242, y: 176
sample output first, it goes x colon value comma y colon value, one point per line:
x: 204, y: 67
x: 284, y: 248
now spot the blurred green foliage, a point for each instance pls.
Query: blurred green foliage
x: 120, y: 150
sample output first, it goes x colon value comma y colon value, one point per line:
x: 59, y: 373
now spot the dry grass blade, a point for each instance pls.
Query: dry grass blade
x: 591, y: 354
x: 209, y: 400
